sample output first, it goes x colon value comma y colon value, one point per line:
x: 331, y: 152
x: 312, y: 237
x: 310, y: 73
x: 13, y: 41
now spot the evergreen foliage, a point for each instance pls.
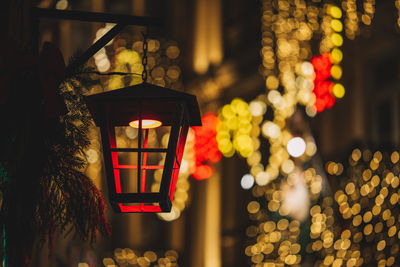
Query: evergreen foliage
x: 43, y: 189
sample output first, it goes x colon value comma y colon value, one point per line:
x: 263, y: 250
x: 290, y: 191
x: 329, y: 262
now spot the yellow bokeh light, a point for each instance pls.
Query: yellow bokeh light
x: 253, y: 207
x: 311, y: 149
x: 311, y: 110
x: 239, y: 106
x: 381, y: 245
x: 336, y: 25
x: 338, y: 90
x: 288, y: 166
x: 272, y: 82
x: 337, y: 39
x: 334, y: 11
x: 336, y: 72
x: 395, y: 157
x: 336, y: 55
x: 227, y: 112
x: 235, y: 128
x: 368, y: 229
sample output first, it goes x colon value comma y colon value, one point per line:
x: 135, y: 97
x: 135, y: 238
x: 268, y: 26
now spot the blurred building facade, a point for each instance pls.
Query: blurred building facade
x: 220, y: 45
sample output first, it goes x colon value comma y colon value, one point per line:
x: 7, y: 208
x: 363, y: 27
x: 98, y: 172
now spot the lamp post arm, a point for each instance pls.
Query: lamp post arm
x: 97, y: 17
x: 120, y: 20
x: 94, y: 48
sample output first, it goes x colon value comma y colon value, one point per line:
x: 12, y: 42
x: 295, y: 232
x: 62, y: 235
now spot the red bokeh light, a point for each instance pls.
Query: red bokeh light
x: 322, y: 85
x: 202, y: 172
x: 206, y: 147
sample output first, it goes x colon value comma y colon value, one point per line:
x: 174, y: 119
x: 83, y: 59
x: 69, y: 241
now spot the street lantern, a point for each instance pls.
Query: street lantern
x: 152, y: 111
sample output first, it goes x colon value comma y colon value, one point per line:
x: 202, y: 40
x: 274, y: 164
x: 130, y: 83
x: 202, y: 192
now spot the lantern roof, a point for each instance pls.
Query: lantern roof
x: 146, y: 92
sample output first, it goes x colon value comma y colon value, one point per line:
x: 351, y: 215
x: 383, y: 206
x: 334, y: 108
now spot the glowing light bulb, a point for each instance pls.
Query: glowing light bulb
x: 146, y: 124
x: 296, y: 147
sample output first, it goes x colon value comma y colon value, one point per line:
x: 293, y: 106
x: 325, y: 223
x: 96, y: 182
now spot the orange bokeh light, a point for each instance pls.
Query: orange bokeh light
x: 146, y: 124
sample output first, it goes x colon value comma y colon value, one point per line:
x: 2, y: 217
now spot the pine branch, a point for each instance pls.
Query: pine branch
x: 69, y: 198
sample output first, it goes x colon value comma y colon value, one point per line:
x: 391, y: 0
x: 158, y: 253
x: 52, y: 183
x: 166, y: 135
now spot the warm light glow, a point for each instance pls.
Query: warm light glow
x: 296, y: 197
x: 202, y: 172
x: 234, y: 129
x: 307, y: 68
x: 272, y: 82
x: 335, y: 12
x: 206, y: 147
x: 146, y: 124
x: 296, y: 147
x: 322, y: 85
x: 338, y: 90
x: 262, y: 178
x: 336, y: 25
x: 337, y: 39
x: 257, y: 108
x: 336, y: 72
x: 247, y: 181
x: 337, y: 55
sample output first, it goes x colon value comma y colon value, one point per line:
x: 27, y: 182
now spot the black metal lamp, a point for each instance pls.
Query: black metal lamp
x: 147, y: 108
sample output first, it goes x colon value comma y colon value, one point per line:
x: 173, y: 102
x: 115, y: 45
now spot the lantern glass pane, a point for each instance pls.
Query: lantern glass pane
x: 126, y: 137
x: 157, y: 137
x: 128, y: 178
x: 125, y: 158
x: 126, y: 171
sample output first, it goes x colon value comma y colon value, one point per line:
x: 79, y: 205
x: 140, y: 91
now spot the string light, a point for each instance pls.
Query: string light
x: 276, y: 238
x: 291, y: 79
x: 368, y: 203
x: 328, y: 66
x: 234, y: 128
x: 322, y: 85
x: 128, y: 257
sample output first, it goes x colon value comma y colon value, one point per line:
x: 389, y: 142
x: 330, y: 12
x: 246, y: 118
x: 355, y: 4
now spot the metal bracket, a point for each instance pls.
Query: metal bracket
x: 120, y: 20
x: 94, y: 48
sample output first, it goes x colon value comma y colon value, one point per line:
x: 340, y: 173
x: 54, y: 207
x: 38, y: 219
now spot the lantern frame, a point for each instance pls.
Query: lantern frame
x: 143, y: 101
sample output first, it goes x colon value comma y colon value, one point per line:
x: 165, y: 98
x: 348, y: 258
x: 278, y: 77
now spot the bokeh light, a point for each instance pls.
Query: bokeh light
x: 296, y: 147
x: 247, y: 181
